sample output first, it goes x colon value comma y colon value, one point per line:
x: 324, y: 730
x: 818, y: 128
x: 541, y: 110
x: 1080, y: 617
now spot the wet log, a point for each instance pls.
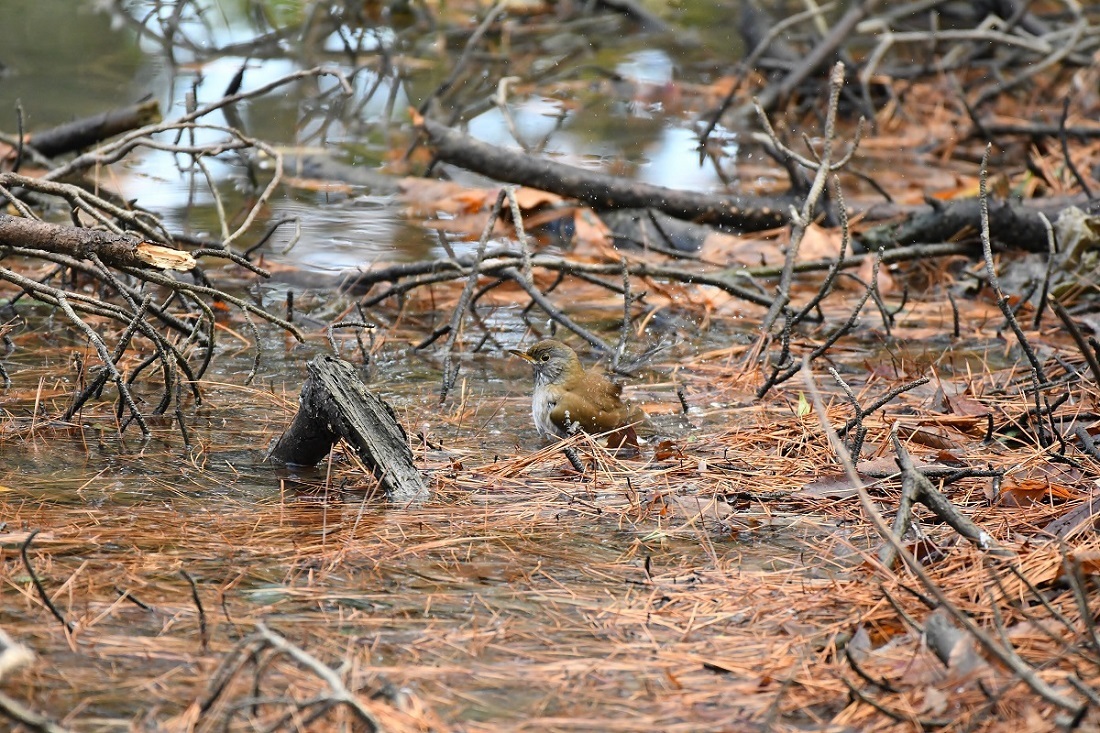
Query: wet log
x: 335, y: 404
x: 660, y: 232
x: 601, y: 191
x: 88, y: 131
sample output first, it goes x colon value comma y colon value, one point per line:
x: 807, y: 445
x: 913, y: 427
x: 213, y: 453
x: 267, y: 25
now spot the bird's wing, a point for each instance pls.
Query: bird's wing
x: 598, y: 411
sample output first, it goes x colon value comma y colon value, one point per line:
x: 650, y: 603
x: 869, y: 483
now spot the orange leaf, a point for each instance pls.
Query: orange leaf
x: 1031, y: 491
x: 1088, y: 561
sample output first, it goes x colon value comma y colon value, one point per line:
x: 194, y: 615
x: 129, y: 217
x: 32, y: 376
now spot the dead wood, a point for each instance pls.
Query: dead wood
x: 127, y: 253
x: 744, y: 213
x: 917, y: 485
x: 87, y: 131
x: 115, y: 250
x: 335, y: 404
x: 1004, y: 652
x: 338, y: 691
x: 653, y: 230
x: 1012, y: 225
x: 408, y: 276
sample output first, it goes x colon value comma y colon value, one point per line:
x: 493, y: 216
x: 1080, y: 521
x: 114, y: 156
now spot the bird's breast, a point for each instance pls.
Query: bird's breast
x: 542, y: 404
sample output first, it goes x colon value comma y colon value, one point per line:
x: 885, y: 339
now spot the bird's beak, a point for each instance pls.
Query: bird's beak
x: 522, y: 354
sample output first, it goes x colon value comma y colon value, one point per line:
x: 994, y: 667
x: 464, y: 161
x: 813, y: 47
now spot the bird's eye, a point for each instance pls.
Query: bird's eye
x: 544, y: 357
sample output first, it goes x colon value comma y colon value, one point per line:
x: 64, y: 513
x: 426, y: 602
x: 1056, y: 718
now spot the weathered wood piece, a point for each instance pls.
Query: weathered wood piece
x: 336, y: 404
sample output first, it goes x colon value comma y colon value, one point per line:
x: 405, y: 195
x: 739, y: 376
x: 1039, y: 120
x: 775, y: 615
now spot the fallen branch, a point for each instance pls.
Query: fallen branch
x: 745, y: 213
x: 1004, y: 653
x: 917, y: 485
x: 117, y: 250
x: 96, y: 128
x: 338, y: 691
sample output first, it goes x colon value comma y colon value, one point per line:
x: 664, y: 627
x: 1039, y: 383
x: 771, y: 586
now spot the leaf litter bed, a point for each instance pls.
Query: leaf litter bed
x: 724, y: 579
x: 727, y: 578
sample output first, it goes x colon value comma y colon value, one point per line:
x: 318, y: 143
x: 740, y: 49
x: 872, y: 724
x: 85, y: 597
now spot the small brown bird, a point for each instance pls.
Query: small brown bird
x: 567, y: 398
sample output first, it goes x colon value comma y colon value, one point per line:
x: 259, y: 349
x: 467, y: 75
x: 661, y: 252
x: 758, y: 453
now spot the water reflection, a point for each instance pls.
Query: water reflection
x: 89, y: 61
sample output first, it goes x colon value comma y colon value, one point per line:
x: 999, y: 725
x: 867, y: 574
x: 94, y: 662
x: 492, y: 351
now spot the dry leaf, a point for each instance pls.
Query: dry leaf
x: 836, y: 486
x: 1032, y: 491
x: 666, y: 449
x: 589, y: 229
x: 1087, y: 560
x: 819, y: 244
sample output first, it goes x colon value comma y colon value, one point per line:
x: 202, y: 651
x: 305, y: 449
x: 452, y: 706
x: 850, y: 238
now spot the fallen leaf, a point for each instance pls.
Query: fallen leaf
x: 666, y: 449
x: 836, y: 486
x: 819, y: 243
x: 1030, y: 492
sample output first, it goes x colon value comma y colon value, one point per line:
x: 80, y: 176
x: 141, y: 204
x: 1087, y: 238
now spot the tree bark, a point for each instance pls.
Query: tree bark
x: 117, y: 250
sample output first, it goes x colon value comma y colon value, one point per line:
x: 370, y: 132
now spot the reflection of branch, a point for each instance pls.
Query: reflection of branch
x: 450, y: 371
x: 467, y: 53
x: 123, y: 145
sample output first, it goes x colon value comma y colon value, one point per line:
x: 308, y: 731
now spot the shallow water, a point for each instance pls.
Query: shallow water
x: 502, y: 576
x: 90, y: 56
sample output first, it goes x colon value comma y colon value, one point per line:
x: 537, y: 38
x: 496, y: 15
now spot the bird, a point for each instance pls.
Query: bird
x: 568, y: 398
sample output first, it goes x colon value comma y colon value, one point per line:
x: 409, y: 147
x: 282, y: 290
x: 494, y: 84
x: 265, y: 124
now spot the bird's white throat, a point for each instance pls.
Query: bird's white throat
x: 542, y: 403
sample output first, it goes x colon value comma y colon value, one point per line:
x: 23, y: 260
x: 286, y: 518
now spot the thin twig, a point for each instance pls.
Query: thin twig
x: 42, y: 594
x: 450, y: 370
x: 204, y: 635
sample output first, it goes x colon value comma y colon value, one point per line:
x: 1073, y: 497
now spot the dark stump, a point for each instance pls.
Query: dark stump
x: 335, y: 404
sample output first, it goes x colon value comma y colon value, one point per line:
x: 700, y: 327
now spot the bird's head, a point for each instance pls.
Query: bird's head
x: 552, y: 360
